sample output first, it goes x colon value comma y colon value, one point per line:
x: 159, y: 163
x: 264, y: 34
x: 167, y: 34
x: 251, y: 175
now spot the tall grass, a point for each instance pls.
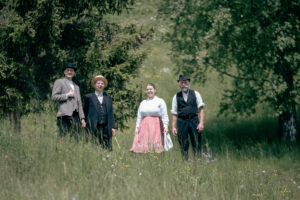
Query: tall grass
x: 237, y: 164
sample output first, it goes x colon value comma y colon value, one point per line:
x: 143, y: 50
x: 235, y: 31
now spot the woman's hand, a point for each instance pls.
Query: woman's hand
x: 166, y: 130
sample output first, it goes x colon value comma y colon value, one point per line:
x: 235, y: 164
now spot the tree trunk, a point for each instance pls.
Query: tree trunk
x: 15, y: 118
x: 287, y: 124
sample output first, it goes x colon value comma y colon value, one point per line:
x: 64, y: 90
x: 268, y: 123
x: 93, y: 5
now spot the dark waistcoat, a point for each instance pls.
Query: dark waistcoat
x: 102, y: 112
x: 189, y: 108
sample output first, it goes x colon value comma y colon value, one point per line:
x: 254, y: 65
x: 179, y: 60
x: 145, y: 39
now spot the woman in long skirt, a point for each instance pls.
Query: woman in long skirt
x: 152, y: 121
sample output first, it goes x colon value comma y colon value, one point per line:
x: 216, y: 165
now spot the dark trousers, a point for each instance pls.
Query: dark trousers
x: 103, y: 136
x: 187, y: 128
x: 68, y: 124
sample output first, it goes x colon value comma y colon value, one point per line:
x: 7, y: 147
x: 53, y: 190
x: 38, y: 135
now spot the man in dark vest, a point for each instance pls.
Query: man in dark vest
x: 186, y: 106
x: 99, y: 114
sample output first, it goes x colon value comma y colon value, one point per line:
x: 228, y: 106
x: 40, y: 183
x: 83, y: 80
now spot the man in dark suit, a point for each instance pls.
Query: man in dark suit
x: 67, y: 94
x: 98, y: 110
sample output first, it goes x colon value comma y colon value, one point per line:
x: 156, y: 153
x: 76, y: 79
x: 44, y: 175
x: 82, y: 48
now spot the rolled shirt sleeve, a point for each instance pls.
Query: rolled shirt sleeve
x: 200, y: 102
x: 174, y: 105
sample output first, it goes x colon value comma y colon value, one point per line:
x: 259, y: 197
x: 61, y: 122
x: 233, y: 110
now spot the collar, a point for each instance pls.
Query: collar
x: 183, y: 93
x: 98, y: 94
x: 68, y: 79
x: 151, y: 99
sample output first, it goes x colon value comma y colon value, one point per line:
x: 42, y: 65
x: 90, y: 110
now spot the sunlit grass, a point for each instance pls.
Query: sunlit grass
x: 36, y: 164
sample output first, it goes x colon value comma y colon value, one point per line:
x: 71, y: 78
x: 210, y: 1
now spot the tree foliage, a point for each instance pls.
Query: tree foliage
x: 254, y: 42
x: 37, y: 37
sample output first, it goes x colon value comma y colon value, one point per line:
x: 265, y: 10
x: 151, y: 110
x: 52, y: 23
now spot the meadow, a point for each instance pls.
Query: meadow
x: 243, y: 158
x: 238, y: 162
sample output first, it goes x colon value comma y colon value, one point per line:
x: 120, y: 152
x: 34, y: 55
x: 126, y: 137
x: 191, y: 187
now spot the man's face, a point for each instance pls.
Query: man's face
x: 184, y: 85
x: 99, y: 85
x: 69, y: 73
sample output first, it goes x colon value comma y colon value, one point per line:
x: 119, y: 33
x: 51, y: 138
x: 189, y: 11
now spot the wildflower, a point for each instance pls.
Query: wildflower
x: 263, y: 171
x: 260, y: 195
x: 112, y: 165
x: 107, y: 156
x: 103, y: 159
x: 213, y: 160
x: 283, y: 192
x: 140, y: 174
x: 206, y: 155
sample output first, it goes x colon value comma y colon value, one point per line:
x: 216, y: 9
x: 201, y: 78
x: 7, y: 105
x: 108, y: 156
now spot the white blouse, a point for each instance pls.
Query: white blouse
x: 153, y: 107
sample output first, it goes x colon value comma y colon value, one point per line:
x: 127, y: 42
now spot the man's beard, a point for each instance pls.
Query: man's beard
x: 184, y: 89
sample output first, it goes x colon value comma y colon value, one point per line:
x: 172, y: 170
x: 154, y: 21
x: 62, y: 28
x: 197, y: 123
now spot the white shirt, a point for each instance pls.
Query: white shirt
x: 185, y: 97
x: 153, y: 107
x: 99, y: 96
x: 71, y: 85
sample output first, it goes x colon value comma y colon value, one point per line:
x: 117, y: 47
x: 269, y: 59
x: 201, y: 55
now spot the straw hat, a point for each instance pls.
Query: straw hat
x: 99, y: 77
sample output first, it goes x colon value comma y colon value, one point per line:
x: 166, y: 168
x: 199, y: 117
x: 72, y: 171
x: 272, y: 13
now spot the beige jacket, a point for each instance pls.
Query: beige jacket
x: 66, y: 105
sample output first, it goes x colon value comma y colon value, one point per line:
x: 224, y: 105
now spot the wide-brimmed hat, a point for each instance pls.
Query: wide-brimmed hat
x: 183, y: 77
x: 99, y: 77
x: 69, y: 65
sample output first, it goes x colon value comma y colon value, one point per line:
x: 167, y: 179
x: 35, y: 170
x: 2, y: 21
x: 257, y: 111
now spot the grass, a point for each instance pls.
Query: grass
x: 36, y: 164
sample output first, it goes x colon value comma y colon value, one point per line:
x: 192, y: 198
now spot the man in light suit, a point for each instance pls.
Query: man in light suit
x: 99, y: 114
x: 67, y: 94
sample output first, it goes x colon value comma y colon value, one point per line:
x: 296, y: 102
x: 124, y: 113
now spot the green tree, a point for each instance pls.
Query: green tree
x: 37, y: 37
x: 254, y: 42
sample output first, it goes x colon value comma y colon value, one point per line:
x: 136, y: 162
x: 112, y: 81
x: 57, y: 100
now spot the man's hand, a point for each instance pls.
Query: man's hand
x: 174, y: 131
x: 200, y: 127
x: 83, y: 124
x: 70, y: 93
x: 174, y: 122
x: 113, y: 131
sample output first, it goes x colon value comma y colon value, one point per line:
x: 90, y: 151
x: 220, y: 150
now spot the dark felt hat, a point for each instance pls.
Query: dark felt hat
x: 69, y: 65
x: 183, y: 77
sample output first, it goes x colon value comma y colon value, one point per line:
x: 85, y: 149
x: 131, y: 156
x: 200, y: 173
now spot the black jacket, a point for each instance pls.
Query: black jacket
x: 90, y: 110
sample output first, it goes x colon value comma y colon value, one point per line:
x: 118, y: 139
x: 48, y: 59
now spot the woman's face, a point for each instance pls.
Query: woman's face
x: 150, y: 91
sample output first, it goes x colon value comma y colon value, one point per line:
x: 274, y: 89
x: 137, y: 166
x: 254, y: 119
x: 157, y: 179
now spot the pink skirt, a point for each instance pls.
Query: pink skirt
x: 149, y: 136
